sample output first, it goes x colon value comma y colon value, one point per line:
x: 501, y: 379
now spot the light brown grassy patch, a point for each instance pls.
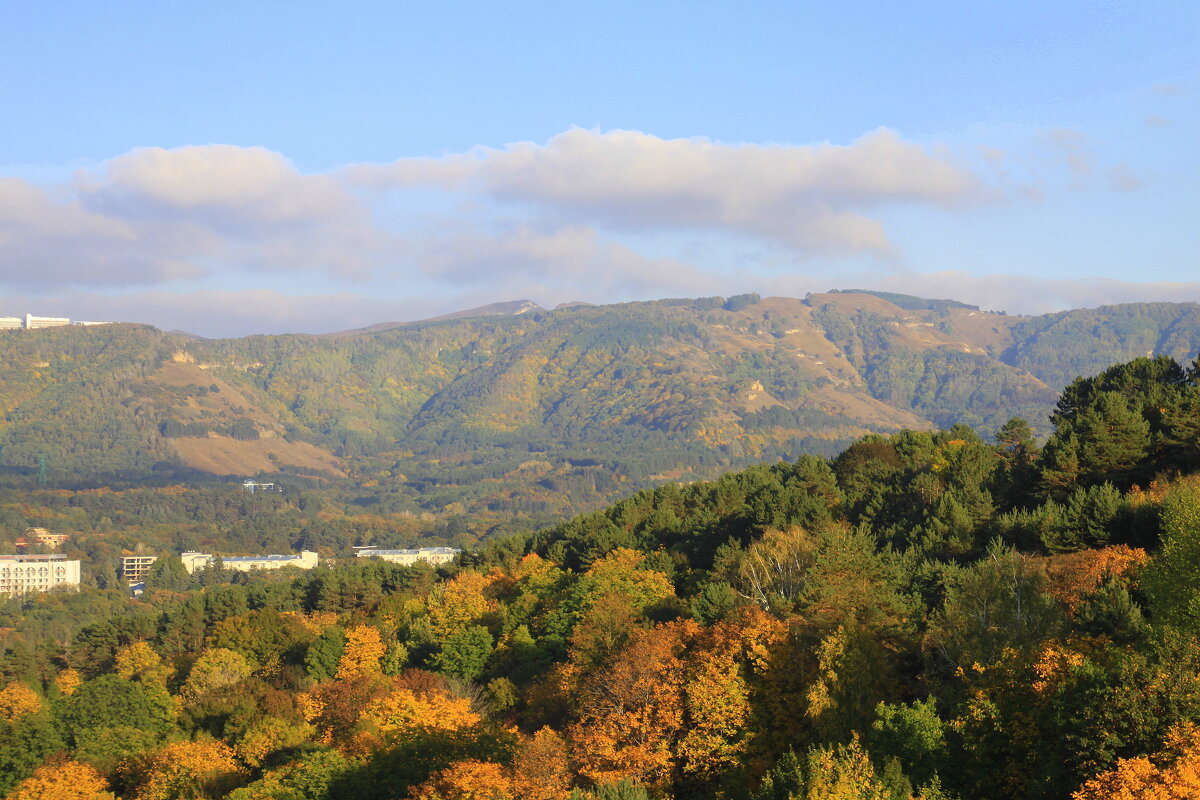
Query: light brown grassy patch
x: 221, y: 455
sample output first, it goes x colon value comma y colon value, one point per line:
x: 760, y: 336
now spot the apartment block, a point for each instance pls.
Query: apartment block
x: 36, y: 573
x: 134, y: 569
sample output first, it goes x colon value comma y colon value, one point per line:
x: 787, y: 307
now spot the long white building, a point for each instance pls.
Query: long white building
x: 37, y: 573
x: 430, y: 555
x: 32, y: 322
x: 307, y: 559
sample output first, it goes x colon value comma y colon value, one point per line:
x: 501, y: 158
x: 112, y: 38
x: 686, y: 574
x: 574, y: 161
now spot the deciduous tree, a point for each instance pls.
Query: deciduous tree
x: 63, y: 780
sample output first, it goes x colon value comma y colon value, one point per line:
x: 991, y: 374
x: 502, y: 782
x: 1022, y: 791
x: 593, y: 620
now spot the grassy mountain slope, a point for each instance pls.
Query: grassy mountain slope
x: 546, y: 411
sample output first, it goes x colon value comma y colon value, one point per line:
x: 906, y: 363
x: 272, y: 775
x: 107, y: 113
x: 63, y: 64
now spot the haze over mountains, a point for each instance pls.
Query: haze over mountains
x: 515, y: 407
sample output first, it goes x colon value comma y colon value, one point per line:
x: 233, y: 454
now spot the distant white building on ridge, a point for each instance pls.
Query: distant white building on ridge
x: 31, y: 322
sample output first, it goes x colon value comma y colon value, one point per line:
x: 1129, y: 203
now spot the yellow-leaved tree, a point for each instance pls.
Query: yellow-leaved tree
x: 68, y: 681
x: 17, y: 700
x: 405, y: 712
x: 467, y: 780
x: 269, y: 735
x: 363, y: 653
x: 843, y: 772
x: 205, y: 768
x: 138, y: 662
x: 64, y: 780
x: 457, y: 603
x: 216, y: 668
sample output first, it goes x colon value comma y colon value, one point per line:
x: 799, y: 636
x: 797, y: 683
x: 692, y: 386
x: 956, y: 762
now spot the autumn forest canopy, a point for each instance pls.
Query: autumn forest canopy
x: 926, y: 614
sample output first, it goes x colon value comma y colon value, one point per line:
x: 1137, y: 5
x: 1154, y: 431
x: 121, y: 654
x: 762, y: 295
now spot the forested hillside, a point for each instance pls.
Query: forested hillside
x: 545, y: 412
x: 928, y: 614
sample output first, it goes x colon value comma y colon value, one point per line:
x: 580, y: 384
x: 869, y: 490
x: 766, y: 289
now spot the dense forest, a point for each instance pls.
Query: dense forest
x: 547, y: 413
x: 926, y: 614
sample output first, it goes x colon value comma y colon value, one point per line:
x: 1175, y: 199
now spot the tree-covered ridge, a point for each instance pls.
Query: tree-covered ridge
x: 548, y: 412
x: 925, y: 615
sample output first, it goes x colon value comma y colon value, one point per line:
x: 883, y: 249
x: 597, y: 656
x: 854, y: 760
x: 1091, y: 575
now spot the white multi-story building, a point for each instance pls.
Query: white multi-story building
x: 307, y: 559
x: 32, y: 322
x: 11, y: 323
x: 36, y: 573
x: 430, y: 555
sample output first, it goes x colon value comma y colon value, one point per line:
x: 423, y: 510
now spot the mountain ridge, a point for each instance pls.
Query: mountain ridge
x: 550, y: 410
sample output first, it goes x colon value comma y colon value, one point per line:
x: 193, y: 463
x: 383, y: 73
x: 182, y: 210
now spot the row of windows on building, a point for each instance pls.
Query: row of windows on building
x: 21, y: 574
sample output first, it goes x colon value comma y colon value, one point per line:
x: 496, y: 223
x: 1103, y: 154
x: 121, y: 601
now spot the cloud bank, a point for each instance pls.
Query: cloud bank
x: 223, y: 240
x: 813, y: 199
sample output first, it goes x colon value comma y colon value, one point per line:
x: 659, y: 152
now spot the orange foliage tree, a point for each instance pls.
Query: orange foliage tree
x: 717, y: 701
x: 467, y: 780
x: 540, y: 768
x: 1073, y: 576
x: 335, y: 708
x: 632, y: 713
x: 66, y: 780
x: 738, y: 658
x: 1173, y: 774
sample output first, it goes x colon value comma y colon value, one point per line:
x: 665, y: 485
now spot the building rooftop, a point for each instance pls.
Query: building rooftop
x: 262, y: 558
x: 34, y: 557
x: 412, y: 551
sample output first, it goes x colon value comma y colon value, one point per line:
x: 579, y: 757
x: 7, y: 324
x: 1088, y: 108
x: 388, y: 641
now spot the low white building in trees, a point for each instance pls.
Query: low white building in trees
x: 430, y: 555
x: 307, y: 559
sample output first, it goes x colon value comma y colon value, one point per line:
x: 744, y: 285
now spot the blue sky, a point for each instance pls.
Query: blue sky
x: 267, y: 167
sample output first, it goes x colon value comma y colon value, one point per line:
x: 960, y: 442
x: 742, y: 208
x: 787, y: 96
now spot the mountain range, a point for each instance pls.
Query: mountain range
x: 512, y: 407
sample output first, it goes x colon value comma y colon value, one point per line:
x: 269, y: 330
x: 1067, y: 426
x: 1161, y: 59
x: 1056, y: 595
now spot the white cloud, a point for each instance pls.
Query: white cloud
x: 238, y: 188
x: 563, y: 257
x: 812, y: 198
x: 153, y: 216
x: 556, y: 221
x: 48, y: 240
